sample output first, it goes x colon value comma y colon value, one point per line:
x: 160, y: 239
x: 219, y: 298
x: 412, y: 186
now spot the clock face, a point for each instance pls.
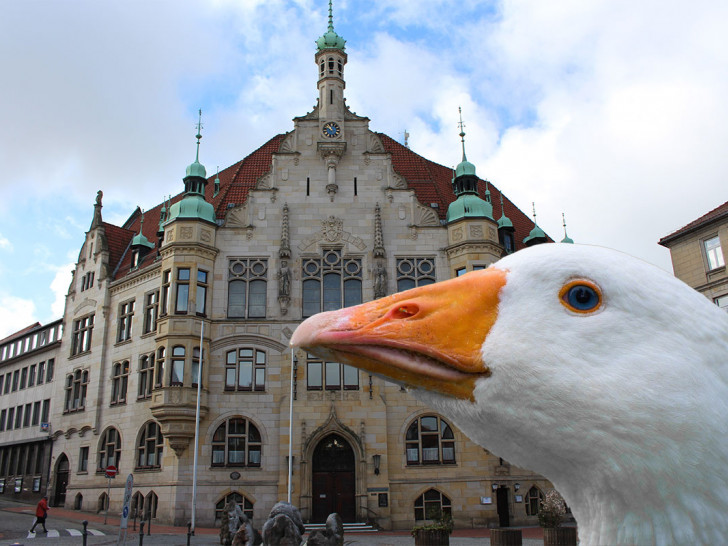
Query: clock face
x: 331, y: 129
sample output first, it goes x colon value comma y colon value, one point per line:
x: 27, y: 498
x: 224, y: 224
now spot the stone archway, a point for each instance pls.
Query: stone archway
x: 333, y: 480
x: 62, y: 473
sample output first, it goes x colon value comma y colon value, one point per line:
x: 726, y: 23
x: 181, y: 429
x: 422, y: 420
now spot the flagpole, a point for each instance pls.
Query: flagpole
x: 197, y: 432
x: 290, y: 437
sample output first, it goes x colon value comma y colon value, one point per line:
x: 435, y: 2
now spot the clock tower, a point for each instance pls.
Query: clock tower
x: 330, y: 59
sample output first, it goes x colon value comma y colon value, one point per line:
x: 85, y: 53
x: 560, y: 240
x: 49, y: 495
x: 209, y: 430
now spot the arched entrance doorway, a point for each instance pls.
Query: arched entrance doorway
x: 334, y: 481
x: 59, y: 496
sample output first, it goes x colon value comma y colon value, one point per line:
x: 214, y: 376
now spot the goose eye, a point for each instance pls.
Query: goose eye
x: 581, y: 296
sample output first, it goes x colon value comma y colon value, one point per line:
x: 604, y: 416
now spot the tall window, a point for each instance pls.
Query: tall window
x: 109, y: 449
x: 150, y: 446
x: 432, y: 505
x: 533, y: 501
x: 83, y: 459
x: 151, y: 311
x: 412, y: 272
x: 76, y: 384
x: 430, y: 440
x: 332, y: 376
x: 236, y: 442
x: 183, y: 290
x: 126, y: 312
x: 195, y: 366
x: 41, y: 372
x: 178, y: 366
x: 119, y: 382
x: 45, y: 410
x: 722, y: 302
x: 201, y: 294
x: 23, y: 378
x: 245, y: 370
x: 49, y: 369
x: 31, y: 377
x: 331, y: 282
x: 164, y: 294
x: 247, y: 286
x: 36, y: 413
x: 714, y: 253
x: 146, y: 376
x: 81, y: 337
x: 159, y: 375
x: 245, y: 505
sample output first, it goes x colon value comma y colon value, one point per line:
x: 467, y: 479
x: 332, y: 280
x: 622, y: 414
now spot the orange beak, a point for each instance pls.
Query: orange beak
x: 429, y: 337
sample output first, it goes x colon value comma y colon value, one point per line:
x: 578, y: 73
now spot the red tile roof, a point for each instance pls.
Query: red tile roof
x: 717, y: 213
x: 430, y: 181
x: 20, y: 333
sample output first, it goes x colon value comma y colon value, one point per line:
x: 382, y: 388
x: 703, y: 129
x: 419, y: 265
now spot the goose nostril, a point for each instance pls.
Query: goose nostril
x: 404, y: 311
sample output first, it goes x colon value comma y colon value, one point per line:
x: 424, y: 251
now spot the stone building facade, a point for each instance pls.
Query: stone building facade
x: 28, y: 361
x: 698, y: 253
x: 206, y: 289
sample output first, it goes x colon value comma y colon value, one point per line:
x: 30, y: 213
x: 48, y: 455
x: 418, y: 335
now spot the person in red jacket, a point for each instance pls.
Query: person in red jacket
x: 40, y: 514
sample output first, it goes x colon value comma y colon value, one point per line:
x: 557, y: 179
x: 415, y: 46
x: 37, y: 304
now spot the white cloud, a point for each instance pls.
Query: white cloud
x: 5, y: 244
x: 59, y: 287
x: 15, y: 314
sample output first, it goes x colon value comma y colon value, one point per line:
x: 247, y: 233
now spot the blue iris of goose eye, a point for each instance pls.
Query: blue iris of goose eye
x: 582, y: 297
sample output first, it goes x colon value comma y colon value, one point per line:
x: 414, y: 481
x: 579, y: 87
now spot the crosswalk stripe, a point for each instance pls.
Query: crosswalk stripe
x: 52, y: 533
x: 74, y: 532
x: 96, y: 532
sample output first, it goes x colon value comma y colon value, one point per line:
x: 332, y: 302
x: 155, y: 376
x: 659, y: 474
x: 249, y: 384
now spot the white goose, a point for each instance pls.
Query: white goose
x: 599, y: 371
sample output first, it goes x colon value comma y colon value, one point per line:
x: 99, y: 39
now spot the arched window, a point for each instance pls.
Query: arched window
x: 430, y: 440
x: 78, y: 502
x: 103, y: 502
x: 533, y: 501
x: 178, y: 366
x: 432, y: 505
x: 150, y: 446
x: 137, y: 506
x: 245, y: 505
x: 119, y: 382
x: 236, y: 442
x: 109, y: 449
x: 150, y: 506
x: 412, y: 272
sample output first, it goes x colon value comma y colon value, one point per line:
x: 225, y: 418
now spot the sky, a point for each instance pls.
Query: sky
x: 610, y: 111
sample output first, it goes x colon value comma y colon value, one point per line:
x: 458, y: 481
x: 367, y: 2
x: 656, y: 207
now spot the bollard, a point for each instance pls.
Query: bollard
x: 141, y: 532
x: 85, y: 532
x: 189, y: 532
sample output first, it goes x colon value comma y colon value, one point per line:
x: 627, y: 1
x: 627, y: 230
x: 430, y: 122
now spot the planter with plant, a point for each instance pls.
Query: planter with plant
x: 550, y: 516
x: 436, y: 533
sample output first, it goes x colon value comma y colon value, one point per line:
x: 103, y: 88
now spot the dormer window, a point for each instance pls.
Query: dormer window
x: 134, y: 259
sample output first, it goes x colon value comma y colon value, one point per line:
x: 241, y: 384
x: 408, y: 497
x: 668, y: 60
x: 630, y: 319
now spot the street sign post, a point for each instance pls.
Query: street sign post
x: 125, y: 507
x: 111, y: 471
x: 110, y: 474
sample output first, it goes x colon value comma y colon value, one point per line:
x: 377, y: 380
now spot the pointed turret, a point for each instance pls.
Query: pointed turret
x: 537, y: 235
x: 140, y: 245
x: 331, y: 58
x: 506, y: 231
x: 465, y: 186
x: 193, y: 204
x: 567, y: 240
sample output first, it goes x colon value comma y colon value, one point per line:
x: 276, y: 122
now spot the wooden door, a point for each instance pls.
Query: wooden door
x: 334, y: 480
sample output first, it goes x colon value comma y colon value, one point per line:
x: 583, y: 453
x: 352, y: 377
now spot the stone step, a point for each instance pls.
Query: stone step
x: 348, y: 527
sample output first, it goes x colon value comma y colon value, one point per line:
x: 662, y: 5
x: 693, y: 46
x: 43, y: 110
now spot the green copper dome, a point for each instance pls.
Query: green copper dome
x: 536, y: 233
x: 331, y: 40
x: 469, y: 205
x: 140, y: 240
x: 464, y: 167
x: 192, y: 207
x: 196, y: 169
x: 504, y: 222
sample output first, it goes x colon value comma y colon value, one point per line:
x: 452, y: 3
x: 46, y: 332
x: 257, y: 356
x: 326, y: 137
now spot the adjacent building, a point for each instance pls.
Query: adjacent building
x: 202, y: 293
x: 27, y: 381
x: 698, y: 253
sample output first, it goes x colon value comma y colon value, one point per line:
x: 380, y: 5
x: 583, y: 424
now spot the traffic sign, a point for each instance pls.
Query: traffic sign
x: 127, y: 502
x: 111, y: 471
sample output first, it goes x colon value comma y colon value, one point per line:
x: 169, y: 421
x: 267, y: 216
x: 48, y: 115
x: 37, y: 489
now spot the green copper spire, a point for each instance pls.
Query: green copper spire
x: 331, y: 40
x: 196, y: 168
x: 464, y: 167
x: 567, y: 240
x: 537, y: 235
x: 140, y: 239
x: 504, y: 221
x: 193, y: 204
x: 465, y: 185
